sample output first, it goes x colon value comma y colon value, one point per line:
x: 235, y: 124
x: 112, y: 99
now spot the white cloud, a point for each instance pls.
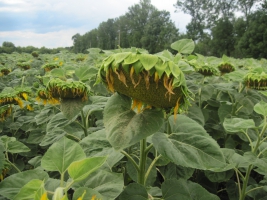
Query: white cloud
x: 86, y: 14
x: 55, y: 39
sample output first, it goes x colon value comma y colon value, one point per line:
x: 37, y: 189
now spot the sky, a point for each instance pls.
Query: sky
x: 52, y: 23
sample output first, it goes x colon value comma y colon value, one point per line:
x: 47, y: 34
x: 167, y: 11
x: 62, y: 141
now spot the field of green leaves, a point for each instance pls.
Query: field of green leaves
x: 127, y: 125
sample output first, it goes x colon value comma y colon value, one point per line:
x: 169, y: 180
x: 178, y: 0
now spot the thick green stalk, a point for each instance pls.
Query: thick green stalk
x: 255, y: 149
x: 142, y: 162
x: 85, y: 124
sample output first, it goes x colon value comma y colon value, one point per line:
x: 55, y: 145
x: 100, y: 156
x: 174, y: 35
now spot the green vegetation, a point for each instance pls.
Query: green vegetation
x: 113, y: 124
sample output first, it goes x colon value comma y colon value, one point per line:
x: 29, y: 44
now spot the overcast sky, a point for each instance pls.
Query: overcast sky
x: 52, y: 23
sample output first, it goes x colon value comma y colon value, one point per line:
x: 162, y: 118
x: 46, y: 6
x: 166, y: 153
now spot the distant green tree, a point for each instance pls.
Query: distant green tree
x: 159, y: 32
x: 253, y: 43
x: 7, y: 47
x: 223, y: 41
x: 138, y: 17
x: 107, y: 34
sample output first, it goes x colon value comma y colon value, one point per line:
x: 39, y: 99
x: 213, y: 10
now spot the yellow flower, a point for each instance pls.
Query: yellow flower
x: 29, y: 107
x: 25, y: 96
x: 44, y: 196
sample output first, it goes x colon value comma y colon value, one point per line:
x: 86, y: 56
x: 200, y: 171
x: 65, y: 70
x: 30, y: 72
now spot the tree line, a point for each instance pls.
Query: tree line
x: 9, y: 47
x: 214, y: 27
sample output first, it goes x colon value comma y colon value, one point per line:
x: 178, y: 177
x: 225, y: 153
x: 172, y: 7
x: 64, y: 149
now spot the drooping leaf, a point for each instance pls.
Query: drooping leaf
x: 124, y: 127
x: 189, y: 145
x: 134, y: 191
x: 185, y: 190
x: 71, y: 107
x: 80, y: 169
x: 61, y: 154
x: 148, y: 61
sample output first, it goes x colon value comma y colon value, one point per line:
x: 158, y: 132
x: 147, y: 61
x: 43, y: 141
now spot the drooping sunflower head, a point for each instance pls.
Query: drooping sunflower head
x: 69, y: 89
x: 44, y: 97
x: 49, y: 66
x: 256, y: 79
x: 10, y: 96
x: 24, y: 65
x: 5, y: 111
x: 23, y: 92
x: 150, y: 79
x: 226, y: 67
x: 5, y: 71
x: 206, y: 70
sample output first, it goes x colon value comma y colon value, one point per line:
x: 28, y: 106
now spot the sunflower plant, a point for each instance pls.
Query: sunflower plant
x: 145, y: 87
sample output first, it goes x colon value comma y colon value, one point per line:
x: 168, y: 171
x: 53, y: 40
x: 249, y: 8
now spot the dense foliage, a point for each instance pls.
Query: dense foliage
x: 68, y: 129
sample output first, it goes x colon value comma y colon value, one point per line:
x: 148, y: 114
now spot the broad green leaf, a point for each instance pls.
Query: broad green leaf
x: 44, y: 116
x: 185, y: 190
x: 148, y: 61
x: 236, y: 159
x: 11, y: 145
x: 119, y: 57
x: 11, y: 185
x: 195, y: 113
x: 173, y: 171
x: 130, y: 59
x: 61, y: 154
x: 134, y: 191
x: 28, y: 190
x: 85, y: 72
x: 96, y: 144
x: 184, y: 46
x: 58, y: 120
x: 80, y: 169
x: 71, y: 107
x: 161, y: 67
x: 217, y: 177
x: 58, y: 72
x: 234, y: 125
x: 189, y: 145
x: 87, y: 192
x: 261, y: 108
x: 124, y: 127
x: 224, y: 111
x: 108, y: 184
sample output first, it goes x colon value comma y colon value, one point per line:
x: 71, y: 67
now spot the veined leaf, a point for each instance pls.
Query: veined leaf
x: 185, y: 190
x: 189, y: 145
x: 237, y: 124
x: 80, y: 169
x: 124, y: 127
x: 61, y: 154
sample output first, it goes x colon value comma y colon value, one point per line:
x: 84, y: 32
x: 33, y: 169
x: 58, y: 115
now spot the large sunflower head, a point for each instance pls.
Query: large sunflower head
x: 69, y: 89
x: 150, y: 79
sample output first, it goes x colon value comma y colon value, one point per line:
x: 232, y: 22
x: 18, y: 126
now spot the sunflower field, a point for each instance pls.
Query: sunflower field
x: 128, y: 125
